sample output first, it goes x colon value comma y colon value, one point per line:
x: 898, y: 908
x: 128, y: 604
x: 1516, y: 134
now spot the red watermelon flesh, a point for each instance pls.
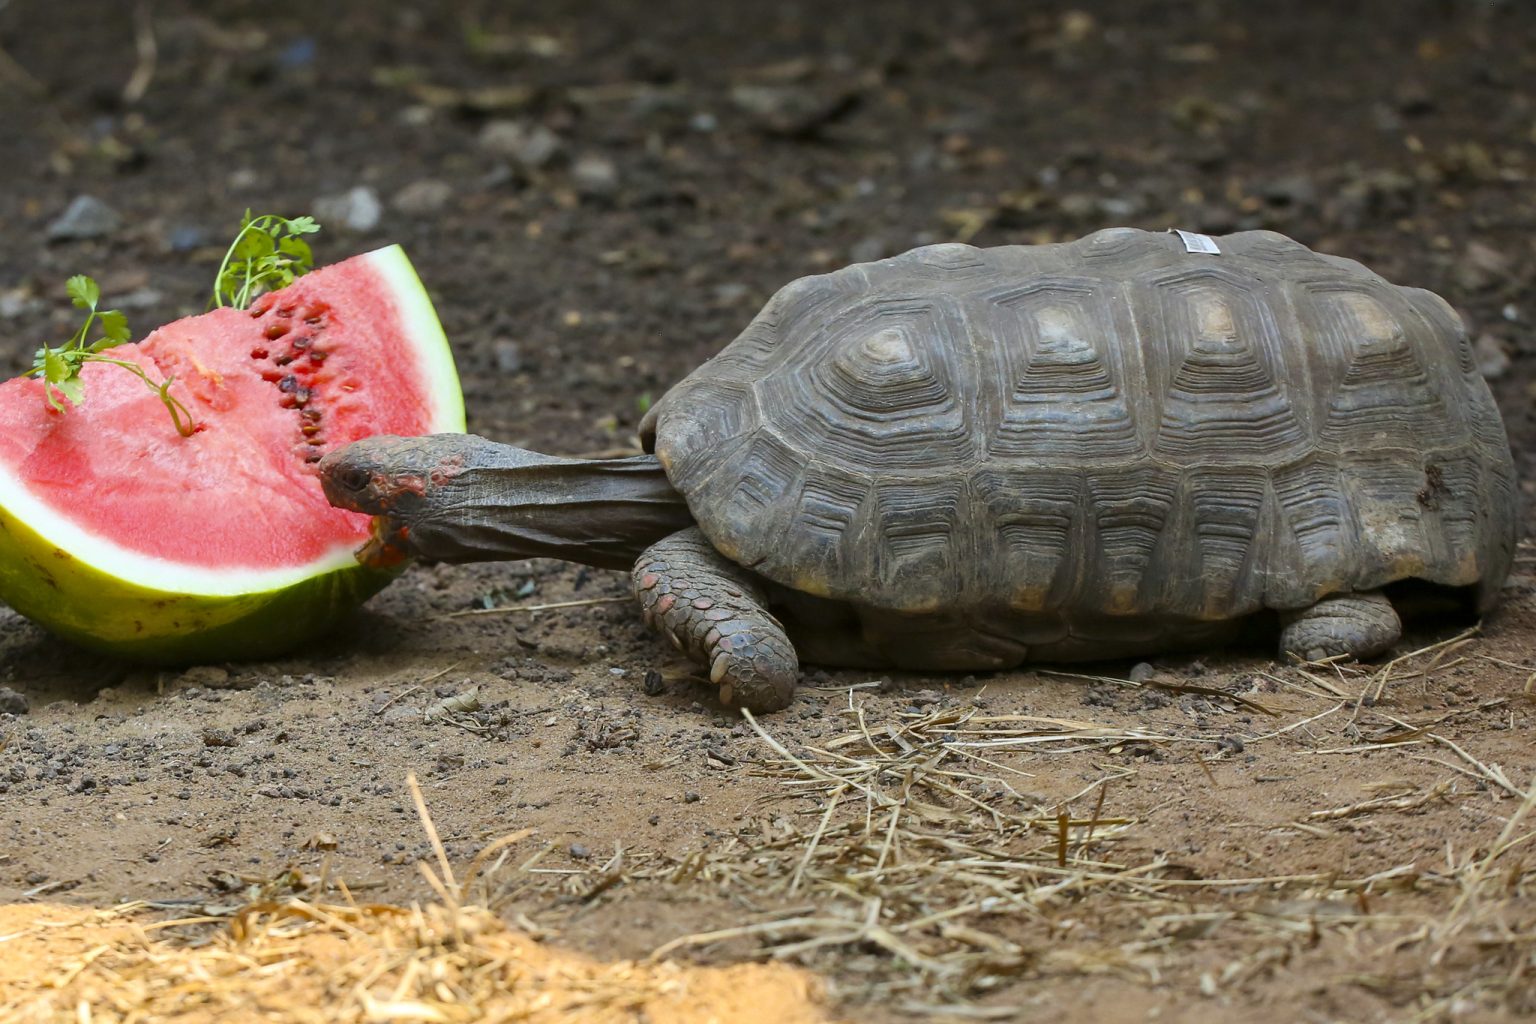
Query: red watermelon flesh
x: 235, y: 509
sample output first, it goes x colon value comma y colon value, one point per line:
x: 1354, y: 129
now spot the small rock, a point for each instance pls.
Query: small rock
x: 357, y: 209
x: 218, y: 738
x: 1414, y: 99
x: 1293, y: 190
x: 654, y: 685
x: 1141, y: 672
x: 508, y: 356
x: 243, y: 179
x: 867, y: 250
x: 19, y: 302
x: 422, y: 197
x: 579, y: 852
x: 186, y: 237
x: 730, y: 293
x: 298, y: 54
x: 532, y: 145
x: 13, y: 703
x: 417, y: 115
x: 1102, y: 696
x: 1492, y: 361
x: 595, y: 176
x: 85, y: 217
x: 1481, y: 267
x: 211, y: 676
x: 139, y: 298
x: 690, y: 797
x: 793, y: 111
x: 400, y: 714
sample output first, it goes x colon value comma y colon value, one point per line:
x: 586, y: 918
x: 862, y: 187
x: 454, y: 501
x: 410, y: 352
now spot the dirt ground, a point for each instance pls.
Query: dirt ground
x: 599, y: 196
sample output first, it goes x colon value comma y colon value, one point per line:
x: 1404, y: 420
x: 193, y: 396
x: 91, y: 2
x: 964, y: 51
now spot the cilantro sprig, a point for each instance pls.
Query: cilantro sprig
x: 59, y: 366
x: 266, y: 255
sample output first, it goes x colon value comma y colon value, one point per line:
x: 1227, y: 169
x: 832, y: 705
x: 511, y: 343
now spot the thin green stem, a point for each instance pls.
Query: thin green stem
x: 218, y: 299
x: 180, y: 416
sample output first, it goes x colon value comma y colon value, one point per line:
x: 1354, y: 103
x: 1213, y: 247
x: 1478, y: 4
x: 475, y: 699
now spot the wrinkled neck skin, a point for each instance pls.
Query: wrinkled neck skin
x: 460, y: 498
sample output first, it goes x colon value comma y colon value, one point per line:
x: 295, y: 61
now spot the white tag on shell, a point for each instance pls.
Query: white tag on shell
x: 1196, y: 242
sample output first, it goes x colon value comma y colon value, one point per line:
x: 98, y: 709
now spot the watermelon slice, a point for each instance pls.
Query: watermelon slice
x: 124, y: 536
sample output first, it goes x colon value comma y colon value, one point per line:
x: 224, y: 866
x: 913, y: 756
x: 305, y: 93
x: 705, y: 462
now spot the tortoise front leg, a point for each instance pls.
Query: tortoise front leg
x: 716, y: 613
x: 1359, y: 625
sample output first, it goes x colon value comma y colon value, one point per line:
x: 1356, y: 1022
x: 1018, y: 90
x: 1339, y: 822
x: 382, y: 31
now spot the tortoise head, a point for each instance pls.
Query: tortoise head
x: 401, y: 481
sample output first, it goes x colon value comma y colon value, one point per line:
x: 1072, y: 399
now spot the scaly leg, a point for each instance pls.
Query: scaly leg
x: 716, y: 613
x: 1359, y: 625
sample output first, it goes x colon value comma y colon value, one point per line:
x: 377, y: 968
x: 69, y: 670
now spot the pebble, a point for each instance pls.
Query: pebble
x: 595, y: 176
x: 19, y: 302
x: 401, y: 714
x: 531, y: 145
x: 1492, y: 361
x: 422, y: 197
x: 867, y: 250
x: 508, y: 356
x: 85, y: 217
x: 357, y: 209
x: 139, y: 298
x: 13, y: 703
x: 211, y: 676
x: 579, y: 852
x: 186, y: 237
x: 1481, y: 267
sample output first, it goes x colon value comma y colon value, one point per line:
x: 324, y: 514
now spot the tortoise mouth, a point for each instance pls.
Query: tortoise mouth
x: 385, y: 547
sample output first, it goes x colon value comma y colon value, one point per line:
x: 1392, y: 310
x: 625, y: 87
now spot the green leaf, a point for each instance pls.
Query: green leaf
x: 83, y: 291
x: 253, y: 243
x: 115, y: 326
x: 298, y: 249
x: 265, y: 255
x: 56, y: 368
x: 72, y: 389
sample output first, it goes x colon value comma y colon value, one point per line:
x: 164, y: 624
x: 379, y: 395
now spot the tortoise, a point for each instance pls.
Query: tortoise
x: 964, y: 458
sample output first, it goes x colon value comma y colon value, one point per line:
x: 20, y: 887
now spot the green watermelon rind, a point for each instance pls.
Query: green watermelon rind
x: 106, y: 613
x: 80, y: 586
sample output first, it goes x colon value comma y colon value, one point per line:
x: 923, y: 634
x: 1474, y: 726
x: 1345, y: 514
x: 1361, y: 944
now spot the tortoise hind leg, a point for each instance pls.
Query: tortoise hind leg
x: 716, y: 613
x: 1359, y: 625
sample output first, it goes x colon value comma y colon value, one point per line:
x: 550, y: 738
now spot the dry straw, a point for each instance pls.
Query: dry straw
x: 911, y: 861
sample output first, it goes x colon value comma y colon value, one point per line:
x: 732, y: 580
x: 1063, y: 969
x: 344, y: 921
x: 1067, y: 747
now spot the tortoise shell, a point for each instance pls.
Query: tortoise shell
x: 1108, y: 427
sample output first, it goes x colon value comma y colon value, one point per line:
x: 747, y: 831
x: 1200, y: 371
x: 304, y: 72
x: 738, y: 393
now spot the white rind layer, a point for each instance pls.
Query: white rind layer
x: 148, y: 571
x: 418, y: 322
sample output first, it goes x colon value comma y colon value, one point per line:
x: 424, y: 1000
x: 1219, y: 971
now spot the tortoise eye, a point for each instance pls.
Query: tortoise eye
x: 353, y: 478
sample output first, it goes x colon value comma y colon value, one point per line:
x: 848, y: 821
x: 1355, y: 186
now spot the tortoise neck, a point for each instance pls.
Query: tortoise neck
x: 510, y: 503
